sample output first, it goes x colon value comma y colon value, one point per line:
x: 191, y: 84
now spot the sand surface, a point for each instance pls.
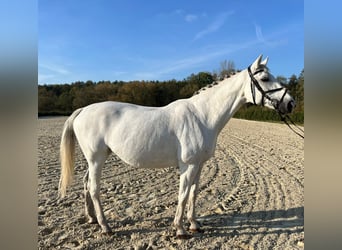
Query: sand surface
x: 251, y: 195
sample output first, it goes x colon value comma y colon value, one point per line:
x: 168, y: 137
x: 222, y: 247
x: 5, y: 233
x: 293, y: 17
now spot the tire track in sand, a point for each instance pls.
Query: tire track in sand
x: 279, y: 196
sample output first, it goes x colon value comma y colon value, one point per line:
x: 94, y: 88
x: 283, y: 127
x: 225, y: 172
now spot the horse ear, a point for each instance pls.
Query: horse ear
x: 264, y: 62
x: 256, y: 63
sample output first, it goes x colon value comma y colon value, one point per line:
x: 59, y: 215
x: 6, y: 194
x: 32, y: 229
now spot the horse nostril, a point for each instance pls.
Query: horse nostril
x: 290, y: 106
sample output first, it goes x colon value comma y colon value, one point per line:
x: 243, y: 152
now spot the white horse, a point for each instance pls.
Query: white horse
x: 183, y: 134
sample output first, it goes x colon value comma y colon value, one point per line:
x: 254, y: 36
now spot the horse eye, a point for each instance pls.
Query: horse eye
x: 265, y: 79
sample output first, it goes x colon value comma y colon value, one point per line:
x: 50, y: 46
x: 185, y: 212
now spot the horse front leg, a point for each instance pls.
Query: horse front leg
x: 194, y: 226
x: 187, y: 177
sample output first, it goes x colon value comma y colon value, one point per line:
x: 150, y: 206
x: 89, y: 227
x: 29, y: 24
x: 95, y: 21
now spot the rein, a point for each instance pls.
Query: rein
x: 283, y: 118
x: 275, y: 103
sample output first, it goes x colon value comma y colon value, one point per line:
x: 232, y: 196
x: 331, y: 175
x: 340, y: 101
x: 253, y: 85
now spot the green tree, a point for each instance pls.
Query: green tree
x: 64, y: 103
x: 282, y: 80
x: 299, y: 93
x: 83, y: 96
x: 46, y: 100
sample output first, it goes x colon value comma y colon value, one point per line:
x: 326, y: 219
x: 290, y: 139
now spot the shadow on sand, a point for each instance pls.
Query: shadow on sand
x: 252, y: 223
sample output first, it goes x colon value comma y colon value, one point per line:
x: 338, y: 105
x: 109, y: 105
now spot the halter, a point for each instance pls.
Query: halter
x: 275, y: 103
x: 255, y: 83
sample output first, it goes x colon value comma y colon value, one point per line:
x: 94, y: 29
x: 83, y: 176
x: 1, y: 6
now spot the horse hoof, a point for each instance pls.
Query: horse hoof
x: 109, y: 233
x: 196, y: 231
x: 184, y: 236
x: 92, y: 221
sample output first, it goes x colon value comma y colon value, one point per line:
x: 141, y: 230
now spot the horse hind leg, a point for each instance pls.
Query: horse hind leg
x: 89, y: 206
x: 96, y: 163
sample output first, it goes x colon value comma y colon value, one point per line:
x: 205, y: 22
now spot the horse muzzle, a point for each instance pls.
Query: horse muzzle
x: 283, y: 107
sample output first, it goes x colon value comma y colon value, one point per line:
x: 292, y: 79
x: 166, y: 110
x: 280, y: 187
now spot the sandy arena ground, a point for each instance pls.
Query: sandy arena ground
x: 251, y: 195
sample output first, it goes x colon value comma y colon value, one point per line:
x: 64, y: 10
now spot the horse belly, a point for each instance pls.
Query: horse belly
x: 148, y: 158
x: 147, y: 154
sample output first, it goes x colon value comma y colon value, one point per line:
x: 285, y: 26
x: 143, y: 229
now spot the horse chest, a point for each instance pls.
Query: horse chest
x: 197, y: 147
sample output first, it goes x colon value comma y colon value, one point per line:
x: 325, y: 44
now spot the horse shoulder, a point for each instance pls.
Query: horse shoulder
x: 191, y: 133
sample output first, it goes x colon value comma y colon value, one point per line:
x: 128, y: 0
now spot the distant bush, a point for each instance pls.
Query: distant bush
x: 257, y: 113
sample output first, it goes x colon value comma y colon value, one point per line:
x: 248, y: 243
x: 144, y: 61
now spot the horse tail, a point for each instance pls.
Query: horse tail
x: 67, y: 153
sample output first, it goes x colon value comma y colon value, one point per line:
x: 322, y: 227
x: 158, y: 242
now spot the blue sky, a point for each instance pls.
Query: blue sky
x: 162, y: 40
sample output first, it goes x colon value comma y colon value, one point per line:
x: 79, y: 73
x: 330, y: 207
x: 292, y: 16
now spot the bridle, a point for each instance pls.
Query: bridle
x: 275, y: 103
x: 265, y: 94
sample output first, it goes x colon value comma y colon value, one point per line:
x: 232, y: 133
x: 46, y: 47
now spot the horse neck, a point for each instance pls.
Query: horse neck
x: 216, y: 105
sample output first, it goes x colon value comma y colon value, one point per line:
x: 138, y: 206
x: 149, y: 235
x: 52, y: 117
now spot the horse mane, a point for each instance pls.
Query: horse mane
x: 220, y: 79
x: 216, y: 82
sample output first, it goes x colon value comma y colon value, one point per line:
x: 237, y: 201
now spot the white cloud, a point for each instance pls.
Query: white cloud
x: 118, y: 73
x: 49, y: 72
x: 258, y: 33
x: 42, y: 78
x: 190, y: 18
x: 214, y: 26
x: 54, y: 68
x: 267, y: 42
x: 159, y: 69
x: 178, y: 12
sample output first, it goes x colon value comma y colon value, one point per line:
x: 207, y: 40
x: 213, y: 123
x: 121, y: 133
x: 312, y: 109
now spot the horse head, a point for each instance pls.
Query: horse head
x: 265, y: 90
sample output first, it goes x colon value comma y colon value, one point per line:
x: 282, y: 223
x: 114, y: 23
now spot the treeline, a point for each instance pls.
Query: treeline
x: 63, y: 99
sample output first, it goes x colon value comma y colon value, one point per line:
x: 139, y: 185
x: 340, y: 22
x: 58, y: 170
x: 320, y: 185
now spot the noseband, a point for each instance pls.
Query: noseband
x: 265, y: 94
